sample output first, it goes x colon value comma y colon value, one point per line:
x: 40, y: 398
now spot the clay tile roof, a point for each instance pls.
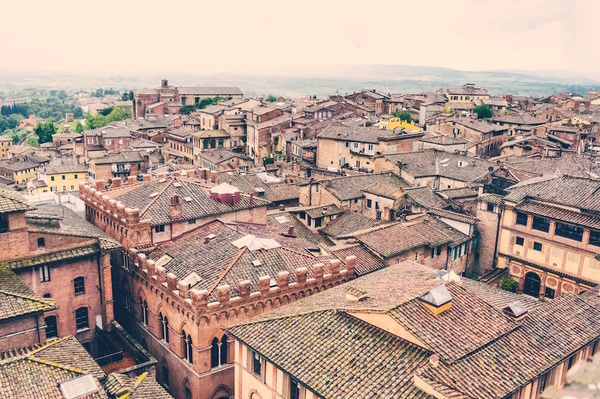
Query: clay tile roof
x: 459, y: 217
x: 395, y: 239
x: 141, y: 387
x: 17, y: 299
x: 366, y: 262
x: 69, y: 223
x: 571, y: 191
x: 425, y: 197
x: 469, y: 323
x: 548, y: 335
x: 348, y: 223
x: 382, y: 190
x: 361, y: 360
x: 156, y: 208
x: 11, y: 201
x: 350, y: 187
x: 38, y: 373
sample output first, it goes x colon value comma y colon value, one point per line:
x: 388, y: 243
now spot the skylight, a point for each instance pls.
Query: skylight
x: 78, y: 387
x: 437, y: 296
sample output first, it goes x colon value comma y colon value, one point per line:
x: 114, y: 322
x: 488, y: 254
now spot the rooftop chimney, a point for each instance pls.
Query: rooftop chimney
x: 175, y: 208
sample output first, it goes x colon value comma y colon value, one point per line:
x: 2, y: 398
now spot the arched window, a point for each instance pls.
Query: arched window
x: 214, y: 353
x: 164, y: 325
x: 144, y: 312
x: 224, y: 350
x: 187, y: 347
x: 161, y: 331
x: 51, y: 327
x: 41, y: 242
x: 165, y: 375
x: 532, y: 285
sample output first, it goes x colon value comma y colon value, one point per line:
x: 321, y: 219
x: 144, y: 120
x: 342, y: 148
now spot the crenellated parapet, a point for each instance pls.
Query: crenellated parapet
x: 277, y: 290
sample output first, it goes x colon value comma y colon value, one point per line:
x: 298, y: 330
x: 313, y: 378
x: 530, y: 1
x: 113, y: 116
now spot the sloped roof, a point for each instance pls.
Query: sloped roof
x: 17, y: 299
x: 350, y: 187
x: 156, y: 208
x: 565, y: 190
x: 69, y: 223
x: 348, y: 223
x: 11, y: 201
x: 140, y: 387
x: 336, y: 355
x: 38, y: 373
x: 548, y: 335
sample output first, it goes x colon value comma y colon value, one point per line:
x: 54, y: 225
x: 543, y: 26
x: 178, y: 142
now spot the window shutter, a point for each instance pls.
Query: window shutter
x: 249, y: 359
x: 513, y: 239
x: 263, y: 370
x: 286, y: 385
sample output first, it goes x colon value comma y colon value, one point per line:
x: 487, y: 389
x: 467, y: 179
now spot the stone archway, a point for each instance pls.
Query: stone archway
x: 222, y: 392
x: 532, y: 285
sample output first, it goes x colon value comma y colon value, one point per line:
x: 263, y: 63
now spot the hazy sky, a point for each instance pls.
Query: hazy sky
x: 196, y: 37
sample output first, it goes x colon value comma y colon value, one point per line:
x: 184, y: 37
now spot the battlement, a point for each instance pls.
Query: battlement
x: 199, y: 300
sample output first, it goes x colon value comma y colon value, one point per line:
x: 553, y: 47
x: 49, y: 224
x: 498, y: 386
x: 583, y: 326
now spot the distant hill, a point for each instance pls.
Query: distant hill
x: 323, y: 80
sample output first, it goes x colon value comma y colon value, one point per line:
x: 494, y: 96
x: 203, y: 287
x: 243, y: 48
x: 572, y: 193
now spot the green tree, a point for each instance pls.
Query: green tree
x: 403, y: 115
x: 483, y: 111
x: 15, y: 138
x: 78, y: 112
x: 508, y: 284
x: 32, y: 141
x: 131, y: 95
x: 205, y: 102
x: 78, y: 127
x: 271, y: 98
x: 44, y: 131
x: 125, y: 96
x: 62, y: 94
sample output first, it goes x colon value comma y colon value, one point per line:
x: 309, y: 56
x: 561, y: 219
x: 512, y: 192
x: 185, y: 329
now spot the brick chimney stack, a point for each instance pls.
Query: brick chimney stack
x: 175, y: 208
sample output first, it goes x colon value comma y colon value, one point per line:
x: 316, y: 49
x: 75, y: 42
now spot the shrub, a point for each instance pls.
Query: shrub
x: 508, y: 284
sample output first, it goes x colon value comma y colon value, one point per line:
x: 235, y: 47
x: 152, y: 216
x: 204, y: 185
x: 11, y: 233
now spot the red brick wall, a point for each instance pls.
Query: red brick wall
x: 21, y: 332
x: 61, y: 288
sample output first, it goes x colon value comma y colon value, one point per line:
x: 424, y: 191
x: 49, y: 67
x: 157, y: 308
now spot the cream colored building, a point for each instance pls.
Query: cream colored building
x: 61, y: 178
x: 549, y: 236
x: 5, y: 143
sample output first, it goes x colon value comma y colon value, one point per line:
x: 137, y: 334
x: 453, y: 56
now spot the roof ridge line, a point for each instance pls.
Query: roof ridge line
x: 228, y: 268
x: 156, y: 196
x: 39, y: 299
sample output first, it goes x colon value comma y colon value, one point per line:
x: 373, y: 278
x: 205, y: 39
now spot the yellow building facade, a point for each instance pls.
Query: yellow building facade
x: 5, y: 143
x: 62, y: 178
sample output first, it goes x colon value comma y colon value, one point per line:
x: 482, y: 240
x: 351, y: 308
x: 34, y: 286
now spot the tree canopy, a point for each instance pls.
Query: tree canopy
x: 271, y: 98
x: 402, y: 115
x: 44, y: 131
x: 483, y: 111
x: 205, y: 102
x: 100, y: 120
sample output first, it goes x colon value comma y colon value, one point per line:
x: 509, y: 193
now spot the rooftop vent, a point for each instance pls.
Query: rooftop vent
x: 254, y: 243
x: 162, y: 180
x: 187, y: 199
x: 154, y: 194
x: 355, y: 295
x: 437, y: 299
x: 516, y: 310
x: 208, y: 238
x: 447, y: 276
x: 176, y: 184
x: 256, y: 262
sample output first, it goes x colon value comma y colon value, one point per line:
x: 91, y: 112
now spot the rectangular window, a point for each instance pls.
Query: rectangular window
x: 51, y: 178
x: 75, y: 177
x: 3, y: 222
x: 318, y: 222
x: 490, y: 207
x: 569, y: 231
x: 63, y: 177
x: 438, y: 250
x: 79, y: 284
x: 549, y: 293
x: 376, y: 205
x: 521, y: 219
x: 537, y: 246
x: 81, y: 319
x: 192, y: 221
x: 541, y: 224
x: 369, y: 203
x: 520, y: 241
x: 294, y: 389
x: 159, y: 229
x: 594, y: 238
x: 416, y: 256
x: 257, y: 364
x: 44, y: 273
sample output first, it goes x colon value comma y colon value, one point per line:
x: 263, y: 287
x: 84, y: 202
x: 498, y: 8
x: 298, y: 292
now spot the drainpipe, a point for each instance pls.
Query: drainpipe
x: 496, y: 244
x: 37, y: 327
x: 100, y: 277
